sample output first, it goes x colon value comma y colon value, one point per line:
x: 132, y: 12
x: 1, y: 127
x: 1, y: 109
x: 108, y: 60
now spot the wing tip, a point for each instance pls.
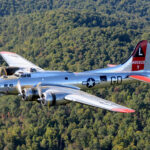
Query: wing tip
x: 123, y: 110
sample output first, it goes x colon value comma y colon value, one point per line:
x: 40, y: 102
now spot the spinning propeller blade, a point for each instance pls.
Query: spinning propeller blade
x: 19, y: 87
x: 39, y: 90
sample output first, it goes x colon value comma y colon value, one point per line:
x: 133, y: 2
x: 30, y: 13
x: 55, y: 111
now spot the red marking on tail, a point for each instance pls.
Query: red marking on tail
x: 139, y: 55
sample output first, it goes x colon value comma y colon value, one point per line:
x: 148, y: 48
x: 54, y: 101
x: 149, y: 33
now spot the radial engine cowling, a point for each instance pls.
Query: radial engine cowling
x: 52, y: 99
x: 29, y: 94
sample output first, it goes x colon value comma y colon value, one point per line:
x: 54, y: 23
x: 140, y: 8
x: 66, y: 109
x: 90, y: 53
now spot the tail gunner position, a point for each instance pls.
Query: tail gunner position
x: 56, y: 87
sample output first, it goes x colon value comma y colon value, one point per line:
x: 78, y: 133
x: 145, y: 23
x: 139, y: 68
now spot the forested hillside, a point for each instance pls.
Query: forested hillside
x: 75, y: 36
x: 116, y: 7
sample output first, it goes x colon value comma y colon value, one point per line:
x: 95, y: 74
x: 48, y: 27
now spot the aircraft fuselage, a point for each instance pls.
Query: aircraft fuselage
x: 69, y: 79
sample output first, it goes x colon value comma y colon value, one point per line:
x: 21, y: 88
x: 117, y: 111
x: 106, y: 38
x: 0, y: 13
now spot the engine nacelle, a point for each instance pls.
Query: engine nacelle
x: 52, y: 99
x: 29, y: 94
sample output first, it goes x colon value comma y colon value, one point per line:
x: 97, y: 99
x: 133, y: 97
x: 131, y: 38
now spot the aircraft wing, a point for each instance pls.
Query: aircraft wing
x: 15, y: 60
x: 140, y: 78
x: 76, y: 95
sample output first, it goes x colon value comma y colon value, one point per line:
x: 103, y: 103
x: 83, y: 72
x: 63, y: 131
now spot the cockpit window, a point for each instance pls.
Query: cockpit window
x: 5, y: 85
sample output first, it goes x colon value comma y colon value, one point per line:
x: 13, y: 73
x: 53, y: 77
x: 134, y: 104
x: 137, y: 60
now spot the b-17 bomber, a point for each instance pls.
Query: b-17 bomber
x: 32, y: 83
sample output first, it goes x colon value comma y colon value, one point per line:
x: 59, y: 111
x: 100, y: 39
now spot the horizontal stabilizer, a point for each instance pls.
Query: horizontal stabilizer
x: 140, y: 78
x: 111, y: 65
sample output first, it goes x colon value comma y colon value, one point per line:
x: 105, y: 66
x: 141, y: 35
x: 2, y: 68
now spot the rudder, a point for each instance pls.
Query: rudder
x: 139, y: 56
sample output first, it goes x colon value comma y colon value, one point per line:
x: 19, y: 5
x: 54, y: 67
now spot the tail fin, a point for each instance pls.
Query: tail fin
x: 140, y: 58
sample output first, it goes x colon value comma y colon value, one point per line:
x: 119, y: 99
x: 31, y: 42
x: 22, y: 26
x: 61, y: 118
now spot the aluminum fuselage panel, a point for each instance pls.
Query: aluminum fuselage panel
x: 81, y: 80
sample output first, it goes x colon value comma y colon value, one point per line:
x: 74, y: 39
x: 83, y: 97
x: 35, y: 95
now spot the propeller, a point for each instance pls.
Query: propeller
x: 38, y: 87
x: 21, y: 92
x: 41, y: 99
x: 19, y: 88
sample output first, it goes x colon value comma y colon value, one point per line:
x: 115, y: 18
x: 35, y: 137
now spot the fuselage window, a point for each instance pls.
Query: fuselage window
x: 11, y: 85
x: 66, y: 78
x: 23, y: 75
x: 28, y: 75
x: 103, y: 78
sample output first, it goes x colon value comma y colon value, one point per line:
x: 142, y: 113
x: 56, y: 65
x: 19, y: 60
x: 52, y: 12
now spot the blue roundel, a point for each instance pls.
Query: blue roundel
x: 90, y: 82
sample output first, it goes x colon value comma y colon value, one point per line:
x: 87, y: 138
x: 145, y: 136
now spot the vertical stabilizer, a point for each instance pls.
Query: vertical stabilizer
x: 140, y: 58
